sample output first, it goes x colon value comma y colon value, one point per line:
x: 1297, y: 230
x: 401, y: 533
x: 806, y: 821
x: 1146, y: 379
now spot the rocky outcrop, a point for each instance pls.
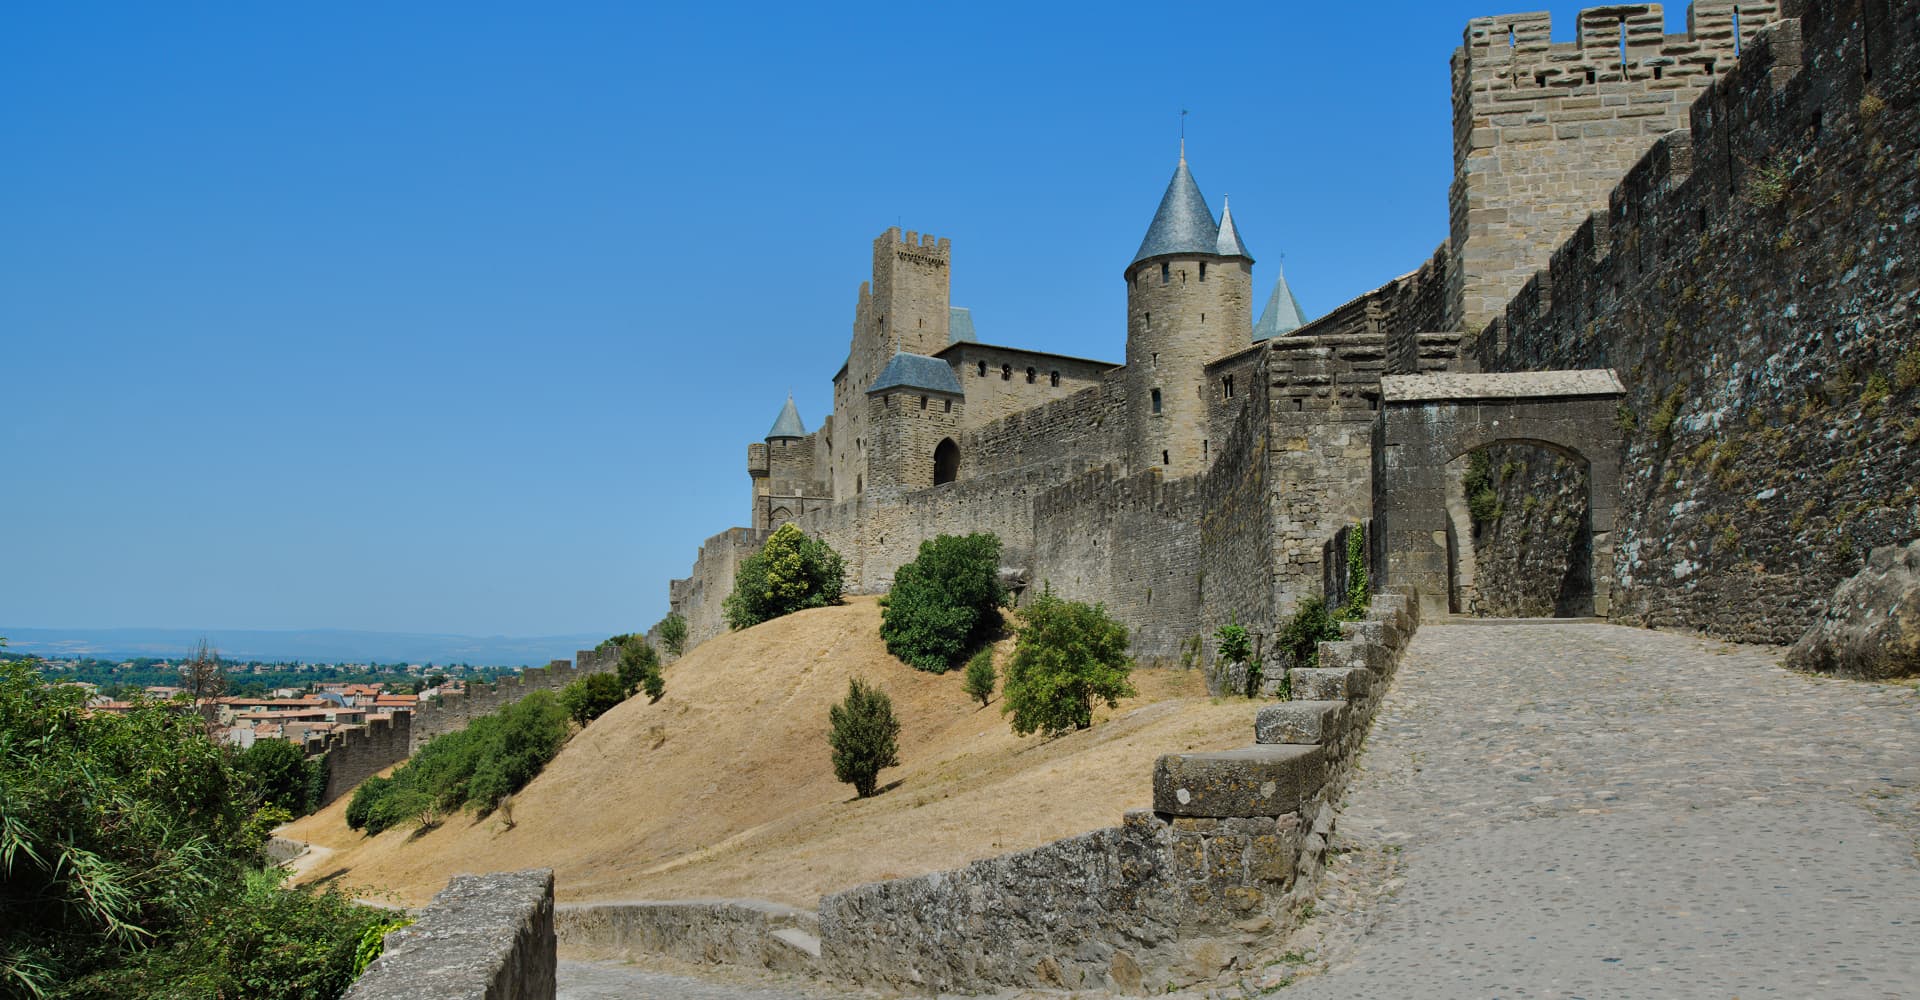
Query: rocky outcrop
x: 1872, y: 625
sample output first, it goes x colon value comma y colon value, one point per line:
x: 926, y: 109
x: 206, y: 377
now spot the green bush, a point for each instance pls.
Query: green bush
x: 673, y: 633
x: 864, y: 736
x: 640, y: 668
x: 592, y: 696
x: 946, y: 602
x: 1309, y: 626
x: 1067, y: 654
x: 130, y: 861
x: 1234, y: 645
x: 978, y: 680
x: 282, y: 775
x: 255, y: 939
x: 1483, y: 505
x: 790, y: 573
x: 471, y: 768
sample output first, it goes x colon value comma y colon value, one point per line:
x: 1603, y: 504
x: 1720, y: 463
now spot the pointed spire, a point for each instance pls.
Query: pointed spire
x: 1229, y: 244
x: 788, y: 425
x: 1283, y: 313
x: 1184, y: 223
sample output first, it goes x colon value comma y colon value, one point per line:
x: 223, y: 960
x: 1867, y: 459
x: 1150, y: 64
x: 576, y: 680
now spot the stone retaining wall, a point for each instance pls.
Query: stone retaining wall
x: 484, y: 937
x: 747, y: 932
x: 1232, y: 849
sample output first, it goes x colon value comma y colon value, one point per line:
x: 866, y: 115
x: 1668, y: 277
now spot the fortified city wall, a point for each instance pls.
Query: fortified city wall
x: 1755, y: 280
x: 1542, y: 131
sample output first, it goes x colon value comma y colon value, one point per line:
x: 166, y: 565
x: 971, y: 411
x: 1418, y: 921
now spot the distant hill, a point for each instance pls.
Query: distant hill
x: 309, y: 645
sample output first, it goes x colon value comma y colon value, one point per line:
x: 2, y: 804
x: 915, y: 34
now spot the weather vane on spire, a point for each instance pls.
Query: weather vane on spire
x: 1183, y: 135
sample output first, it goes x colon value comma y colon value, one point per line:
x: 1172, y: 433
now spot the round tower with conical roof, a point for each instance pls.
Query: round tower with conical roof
x: 1189, y: 301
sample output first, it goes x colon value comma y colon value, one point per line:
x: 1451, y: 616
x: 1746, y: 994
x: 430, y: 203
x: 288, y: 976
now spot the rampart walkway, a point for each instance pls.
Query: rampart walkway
x: 1598, y: 811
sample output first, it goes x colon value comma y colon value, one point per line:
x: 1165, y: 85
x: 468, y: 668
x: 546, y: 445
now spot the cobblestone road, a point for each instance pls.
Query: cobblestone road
x: 1598, y: 811
x: 1564, y: 811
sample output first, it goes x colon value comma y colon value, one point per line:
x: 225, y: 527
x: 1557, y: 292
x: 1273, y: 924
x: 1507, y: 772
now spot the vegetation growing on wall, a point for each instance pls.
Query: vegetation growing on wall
x: 790, y: 573
x: 864, y: 736
x: 1067, y: 656
x: 946, y: 602
x: 1483, y: 505
x: 130, y: 862
x: 1310, y: 626
x: 472, y: 768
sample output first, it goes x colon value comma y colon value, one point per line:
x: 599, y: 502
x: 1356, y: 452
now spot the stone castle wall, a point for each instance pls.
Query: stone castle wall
x: 1533, y: 560
x: 1015, y: 380
x: 353, y: 755
x: 698, y: 596
x: 1542, y: 131
x: 1755, y: 281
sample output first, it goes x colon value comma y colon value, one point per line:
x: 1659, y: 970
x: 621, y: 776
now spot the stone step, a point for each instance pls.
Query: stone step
x: 797, y: 939
x: 1252, y: 781
x: 1331, y: 683
x: 1304, y: 722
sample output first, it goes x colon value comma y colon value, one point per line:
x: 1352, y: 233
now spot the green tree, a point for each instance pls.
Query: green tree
x: 282, y: 775
x: 472, y: 768
x: 673, y: 633
x: 945, y: 602
x: 640, y: 667
x: 592, y: 696
x: 978, y: 680
x: 790, y: 573
x: 1067, y: 655
x: 864, y: 736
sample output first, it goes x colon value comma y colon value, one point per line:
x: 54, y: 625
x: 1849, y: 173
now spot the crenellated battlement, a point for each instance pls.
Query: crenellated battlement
x: 1544, y: 129
x: 914, y: 245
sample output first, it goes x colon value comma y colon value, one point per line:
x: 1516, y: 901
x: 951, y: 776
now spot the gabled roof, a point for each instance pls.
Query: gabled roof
x: 960, y: 325
x: 1229, y: 245
x: 1283, y: 313
x: 1183, y: 224
x: 788, y: 425
x: 916, y: 371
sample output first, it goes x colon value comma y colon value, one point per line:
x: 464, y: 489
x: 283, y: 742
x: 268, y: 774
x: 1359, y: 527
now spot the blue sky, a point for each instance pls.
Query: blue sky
x: 458, y: 317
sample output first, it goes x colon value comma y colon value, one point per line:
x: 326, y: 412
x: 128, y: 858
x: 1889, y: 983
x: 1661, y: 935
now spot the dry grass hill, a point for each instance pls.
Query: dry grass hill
x: 724, y: 788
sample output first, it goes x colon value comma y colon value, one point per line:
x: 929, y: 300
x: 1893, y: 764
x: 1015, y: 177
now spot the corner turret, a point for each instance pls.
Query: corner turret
x: 1189, y: 301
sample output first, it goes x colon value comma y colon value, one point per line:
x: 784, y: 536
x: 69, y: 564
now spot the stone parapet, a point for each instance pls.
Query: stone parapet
x: 484, y: 937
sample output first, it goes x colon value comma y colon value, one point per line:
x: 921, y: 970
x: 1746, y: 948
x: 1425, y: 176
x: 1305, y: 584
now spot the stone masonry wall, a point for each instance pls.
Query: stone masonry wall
x: 1166, y: 898
x: 698, y: 596
x: 1533, y: 560
x: 1542, y: 131
x: 444, y: 715
x: 356, y: 754
x: 1756, y: 283
x: 1004, y: 388
x: 484, y: 937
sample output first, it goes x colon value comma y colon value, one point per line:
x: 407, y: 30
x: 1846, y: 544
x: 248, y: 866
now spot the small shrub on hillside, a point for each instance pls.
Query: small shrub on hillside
x: 592, y: 696
x: 945, y: 602
x: 978, y: 680
x: 790, y: 573
x: 864, y: 736
x: 640, y: 668
x: 472, y: 768
x: 673, y: 634
x: 1306, y: 630
x: 1067, y: 655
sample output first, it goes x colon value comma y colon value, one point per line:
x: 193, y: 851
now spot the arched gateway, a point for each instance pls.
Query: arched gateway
x: 1427, y: 421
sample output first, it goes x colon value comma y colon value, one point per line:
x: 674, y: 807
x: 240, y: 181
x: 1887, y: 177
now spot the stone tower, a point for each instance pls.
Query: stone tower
x: 782, y: 469
x: 914, y: 410
x: 906, y: 308
x: 1543, y: 130
x: 1189, y: 301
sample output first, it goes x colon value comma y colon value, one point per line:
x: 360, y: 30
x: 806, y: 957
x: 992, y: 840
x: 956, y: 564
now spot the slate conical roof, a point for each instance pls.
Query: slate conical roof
x: 1283, y: 313
x: 1229, y: 245
x: 1184, y: 223
x: 789, y: 425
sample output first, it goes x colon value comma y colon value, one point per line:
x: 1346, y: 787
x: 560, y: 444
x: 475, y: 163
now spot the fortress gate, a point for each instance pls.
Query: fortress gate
x: 1427, y: 421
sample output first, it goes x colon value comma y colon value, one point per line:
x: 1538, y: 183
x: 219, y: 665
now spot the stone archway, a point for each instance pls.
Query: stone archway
x: 1428, y: 421
x: 946, y: 462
